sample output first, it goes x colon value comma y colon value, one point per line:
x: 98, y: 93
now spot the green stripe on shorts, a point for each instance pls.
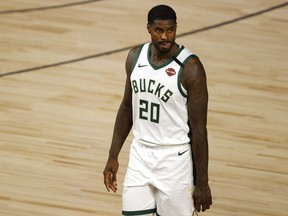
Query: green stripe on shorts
x: 142, y: 212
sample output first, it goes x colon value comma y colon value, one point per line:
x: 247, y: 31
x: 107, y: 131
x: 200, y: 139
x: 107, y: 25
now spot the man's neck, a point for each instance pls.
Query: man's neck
x: 159, y: 58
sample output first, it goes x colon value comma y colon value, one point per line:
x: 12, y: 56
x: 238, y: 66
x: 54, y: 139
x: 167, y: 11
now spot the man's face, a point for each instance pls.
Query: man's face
x: 163, y: 34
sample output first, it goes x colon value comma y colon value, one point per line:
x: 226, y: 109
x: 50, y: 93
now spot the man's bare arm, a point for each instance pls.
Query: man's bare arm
x: 122, y: 127
x: 194, y: 80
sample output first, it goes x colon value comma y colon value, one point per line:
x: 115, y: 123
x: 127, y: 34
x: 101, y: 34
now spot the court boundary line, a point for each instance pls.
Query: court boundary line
x: 25, y: 10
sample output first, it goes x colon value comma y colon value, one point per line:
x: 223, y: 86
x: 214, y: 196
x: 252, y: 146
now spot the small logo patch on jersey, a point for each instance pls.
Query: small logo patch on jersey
x: 170, y: 71
x: 181, y: 153
x: 140, y: 66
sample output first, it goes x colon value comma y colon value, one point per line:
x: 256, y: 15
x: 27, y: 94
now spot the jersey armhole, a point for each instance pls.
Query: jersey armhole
x: 136, y: 58
x: 181, y: 88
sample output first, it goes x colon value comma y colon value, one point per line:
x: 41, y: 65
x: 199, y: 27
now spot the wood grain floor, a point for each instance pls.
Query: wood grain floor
x: 61, y: 82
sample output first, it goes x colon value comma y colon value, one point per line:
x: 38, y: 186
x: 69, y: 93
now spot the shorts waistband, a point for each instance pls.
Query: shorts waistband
x: 154, y: 145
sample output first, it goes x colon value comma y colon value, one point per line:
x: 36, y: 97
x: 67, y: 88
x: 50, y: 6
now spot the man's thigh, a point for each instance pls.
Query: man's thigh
x: 175, y: 200
x: 138, y: 200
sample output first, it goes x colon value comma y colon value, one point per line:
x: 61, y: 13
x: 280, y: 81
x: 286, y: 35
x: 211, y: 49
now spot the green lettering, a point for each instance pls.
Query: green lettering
x: 167, y: 95
x: 142, y: 85
x: 158, y: 90
x: 135, y: 87
x: 151, y: 82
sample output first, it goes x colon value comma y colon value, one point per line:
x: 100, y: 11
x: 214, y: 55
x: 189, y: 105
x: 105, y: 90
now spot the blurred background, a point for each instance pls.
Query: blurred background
x: 62, y: 78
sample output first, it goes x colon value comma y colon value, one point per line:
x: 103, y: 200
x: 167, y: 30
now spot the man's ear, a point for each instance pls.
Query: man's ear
x: 149, y: 28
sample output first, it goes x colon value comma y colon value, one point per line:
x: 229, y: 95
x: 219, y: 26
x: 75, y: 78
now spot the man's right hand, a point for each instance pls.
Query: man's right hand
x: 110, y: 179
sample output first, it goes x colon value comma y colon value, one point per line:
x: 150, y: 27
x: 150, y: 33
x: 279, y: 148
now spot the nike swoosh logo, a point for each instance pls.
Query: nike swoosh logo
x: 139, y: 65
x: 181, y: 153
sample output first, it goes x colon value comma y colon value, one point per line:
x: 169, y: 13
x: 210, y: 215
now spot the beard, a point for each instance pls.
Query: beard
x: 164, y: 46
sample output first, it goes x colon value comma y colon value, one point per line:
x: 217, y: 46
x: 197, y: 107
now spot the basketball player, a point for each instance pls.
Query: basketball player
x: 165, y: 101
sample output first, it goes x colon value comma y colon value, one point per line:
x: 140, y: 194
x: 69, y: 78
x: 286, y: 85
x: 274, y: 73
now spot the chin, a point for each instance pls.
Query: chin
x: 164, y: 50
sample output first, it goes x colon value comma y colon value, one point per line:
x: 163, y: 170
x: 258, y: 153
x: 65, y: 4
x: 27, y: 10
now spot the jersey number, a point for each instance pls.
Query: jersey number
x: 149, y: 112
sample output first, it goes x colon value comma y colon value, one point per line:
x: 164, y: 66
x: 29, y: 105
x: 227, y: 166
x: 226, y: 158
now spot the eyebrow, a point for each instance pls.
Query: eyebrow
x: 171, y: 26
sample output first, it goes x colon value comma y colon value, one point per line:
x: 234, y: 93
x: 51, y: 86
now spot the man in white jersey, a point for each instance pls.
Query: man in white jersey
x: 165, y: 101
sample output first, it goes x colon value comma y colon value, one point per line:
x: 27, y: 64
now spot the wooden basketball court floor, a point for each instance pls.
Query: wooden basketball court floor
x: 61, y: 82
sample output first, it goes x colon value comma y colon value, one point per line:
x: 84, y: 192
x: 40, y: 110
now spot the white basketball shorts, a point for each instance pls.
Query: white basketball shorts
x: 159, y: 181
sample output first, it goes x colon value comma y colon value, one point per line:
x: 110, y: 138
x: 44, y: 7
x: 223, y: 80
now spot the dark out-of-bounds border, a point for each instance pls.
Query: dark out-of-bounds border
x: 130, y: 47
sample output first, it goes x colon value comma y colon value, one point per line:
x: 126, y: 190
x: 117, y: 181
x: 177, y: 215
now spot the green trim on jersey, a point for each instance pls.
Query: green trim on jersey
x: 136, y: 58
x: 142, y: 212
x: 180, y: 75
x: 179, y: 83
x: 164, y: 64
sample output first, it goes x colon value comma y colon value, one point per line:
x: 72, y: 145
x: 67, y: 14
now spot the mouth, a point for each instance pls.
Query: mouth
x: 165, y: 45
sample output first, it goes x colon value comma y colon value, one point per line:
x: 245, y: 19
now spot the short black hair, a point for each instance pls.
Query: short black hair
x: 161, y: 12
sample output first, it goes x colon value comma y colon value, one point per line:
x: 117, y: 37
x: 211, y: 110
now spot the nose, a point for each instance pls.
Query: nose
x: 164, y: 36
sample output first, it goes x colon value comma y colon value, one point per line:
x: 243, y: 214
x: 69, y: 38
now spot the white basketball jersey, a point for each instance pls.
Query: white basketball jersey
x: 159, y: 100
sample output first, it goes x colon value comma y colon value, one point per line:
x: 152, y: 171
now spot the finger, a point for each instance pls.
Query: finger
x: 114, y: 182
x: 114, y: 187
x: 198, y: 208
x: 203, y: 208
x: 107, y: 181
x: 107, y: 187
x: 197, y: 204
x: 114, y: 177
x: 206, y: 205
